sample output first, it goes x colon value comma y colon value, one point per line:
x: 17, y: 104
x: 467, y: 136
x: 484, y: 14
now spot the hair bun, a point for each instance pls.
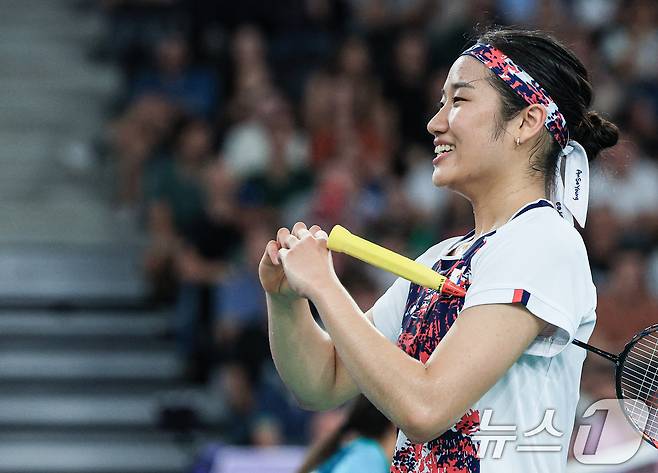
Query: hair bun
x: 595, y: 133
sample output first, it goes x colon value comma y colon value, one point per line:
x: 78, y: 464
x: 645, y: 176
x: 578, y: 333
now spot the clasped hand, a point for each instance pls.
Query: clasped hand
x: 306, y: 262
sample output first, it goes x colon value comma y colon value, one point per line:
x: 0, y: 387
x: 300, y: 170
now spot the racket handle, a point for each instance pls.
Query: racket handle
x: 342, y: 241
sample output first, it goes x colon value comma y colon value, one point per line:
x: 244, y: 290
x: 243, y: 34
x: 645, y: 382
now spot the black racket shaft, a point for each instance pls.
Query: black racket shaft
x: 604, y: 354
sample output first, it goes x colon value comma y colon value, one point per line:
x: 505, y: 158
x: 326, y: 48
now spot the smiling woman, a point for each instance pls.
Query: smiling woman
x: 513, y: 134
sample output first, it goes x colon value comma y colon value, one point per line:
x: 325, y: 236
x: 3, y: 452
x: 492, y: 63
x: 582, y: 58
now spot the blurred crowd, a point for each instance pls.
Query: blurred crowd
x: 235, y: 118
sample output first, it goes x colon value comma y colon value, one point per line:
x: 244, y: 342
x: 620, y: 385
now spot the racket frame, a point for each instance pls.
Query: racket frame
x: 620, y: 365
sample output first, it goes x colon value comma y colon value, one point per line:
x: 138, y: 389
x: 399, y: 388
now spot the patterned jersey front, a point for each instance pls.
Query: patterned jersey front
x: 539, y: 261
x: 428, y: 316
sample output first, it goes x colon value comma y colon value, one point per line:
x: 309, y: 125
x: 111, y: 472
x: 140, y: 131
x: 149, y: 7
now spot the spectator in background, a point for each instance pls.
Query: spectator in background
x: 175, y: 203
x: 602, y: 235
x: 192, y: 89
x: 625, y: 181
x: 334, y: 196
x: 362, y: 133
x: 641, y: 116
x: 203, y: 259
x: 652, y: 271
x: 239, y: 314
x: 249, y: 74
x: 631, y: 46
x: 135, y: 138
x: 406, y: 87
x: 260, y: 409
x: 268, y: 136
x: 364, y: 442
x: 132, y: 27
x: 281, y: 172
x: 428, y: 202
x: 303, y: 35
x: 625, y: 304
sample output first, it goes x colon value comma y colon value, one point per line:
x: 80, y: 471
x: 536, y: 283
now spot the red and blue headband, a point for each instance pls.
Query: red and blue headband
x: 571, y: 194
x: 524, y: 85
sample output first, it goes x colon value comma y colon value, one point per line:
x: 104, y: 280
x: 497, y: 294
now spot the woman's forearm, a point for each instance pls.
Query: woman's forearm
x: 303, y: 353
x: 386, y: 375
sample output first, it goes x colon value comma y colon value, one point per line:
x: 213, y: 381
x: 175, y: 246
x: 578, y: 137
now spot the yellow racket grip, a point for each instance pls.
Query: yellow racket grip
x: 342, y: 241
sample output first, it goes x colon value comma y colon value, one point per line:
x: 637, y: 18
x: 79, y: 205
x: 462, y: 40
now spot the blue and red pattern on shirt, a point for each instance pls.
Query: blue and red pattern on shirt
x: 427, y: 318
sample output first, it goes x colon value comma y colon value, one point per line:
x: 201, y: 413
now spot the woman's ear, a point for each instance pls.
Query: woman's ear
x: 532, y: 122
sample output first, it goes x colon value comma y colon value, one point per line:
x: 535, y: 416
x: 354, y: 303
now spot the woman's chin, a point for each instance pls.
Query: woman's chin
x: 439, y: 178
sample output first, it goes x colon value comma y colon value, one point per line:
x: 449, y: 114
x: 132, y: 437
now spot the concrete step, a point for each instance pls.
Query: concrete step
x: 54, y: 112
x: 70, y: 273
x: 47, y: 324
x: 79, y: 411
x: 44, y: 73
x: 27, y: 146
x: 113, y: 410
x: 87, y: 366
x: 100, y: 387
x: 54, y: 219
x: 56, y: 63
x: 120, y: 452
x: 92, y: 342
x: 35, y: 19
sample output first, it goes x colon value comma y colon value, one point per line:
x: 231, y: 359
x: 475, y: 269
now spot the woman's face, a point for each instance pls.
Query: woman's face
x: 466, y: 123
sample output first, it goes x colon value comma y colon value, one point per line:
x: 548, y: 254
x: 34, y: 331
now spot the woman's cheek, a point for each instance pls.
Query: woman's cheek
x: 453, y: 116
x: 460, y: 122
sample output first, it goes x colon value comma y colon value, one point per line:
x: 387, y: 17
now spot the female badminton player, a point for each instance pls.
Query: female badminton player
x: 487, y: 382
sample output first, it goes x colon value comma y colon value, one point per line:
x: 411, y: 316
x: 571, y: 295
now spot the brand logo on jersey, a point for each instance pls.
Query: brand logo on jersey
x: 577, y: 188
x: 558, y: 207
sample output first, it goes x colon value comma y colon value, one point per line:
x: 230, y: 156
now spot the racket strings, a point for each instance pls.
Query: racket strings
x: 639, y: 381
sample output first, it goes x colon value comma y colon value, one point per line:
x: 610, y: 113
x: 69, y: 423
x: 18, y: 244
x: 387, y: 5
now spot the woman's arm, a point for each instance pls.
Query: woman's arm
x: 423, y: 400
x: 303, y: 353
x: 305, y: 357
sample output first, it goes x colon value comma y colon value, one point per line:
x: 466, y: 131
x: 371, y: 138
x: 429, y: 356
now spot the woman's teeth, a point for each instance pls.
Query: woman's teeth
x: 443, y: 149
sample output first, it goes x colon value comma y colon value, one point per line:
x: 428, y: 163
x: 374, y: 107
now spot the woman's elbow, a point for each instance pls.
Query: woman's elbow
x: 307, y: 404
x: 315, y: 405
x: 423, y: 435
x: 422, y: 426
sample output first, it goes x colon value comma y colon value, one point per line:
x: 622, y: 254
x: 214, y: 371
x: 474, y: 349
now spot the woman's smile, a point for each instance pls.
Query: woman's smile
x: 442, y: 152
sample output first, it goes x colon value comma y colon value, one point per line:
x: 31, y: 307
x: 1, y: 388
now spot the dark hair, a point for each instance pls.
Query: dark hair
x: 363, y: 419
x: 557, y: 69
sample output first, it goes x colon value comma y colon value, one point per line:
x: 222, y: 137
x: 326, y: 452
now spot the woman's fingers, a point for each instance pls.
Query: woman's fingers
x: 289, y: 238
x: 299, y: 226
x: 272, y: 250
x: 282, y: 237
x: 282, y: 253
x: 315, y: 231
x: 318, y: 233
x: 290, y: 241
x: 298, y: 231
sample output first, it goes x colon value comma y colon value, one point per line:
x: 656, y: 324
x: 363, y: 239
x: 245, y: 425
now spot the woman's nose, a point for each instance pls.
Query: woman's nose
x: 438, y: 123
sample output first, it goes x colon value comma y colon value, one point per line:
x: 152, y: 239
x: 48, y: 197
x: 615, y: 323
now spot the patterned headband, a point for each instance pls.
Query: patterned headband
x: 524, y: 85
